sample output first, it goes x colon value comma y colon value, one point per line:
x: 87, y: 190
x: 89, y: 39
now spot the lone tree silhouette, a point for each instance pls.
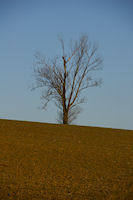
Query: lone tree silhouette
x: 64, y: 78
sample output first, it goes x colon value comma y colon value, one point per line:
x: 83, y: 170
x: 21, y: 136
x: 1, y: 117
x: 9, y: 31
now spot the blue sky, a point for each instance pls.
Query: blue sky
x: 32, y: 25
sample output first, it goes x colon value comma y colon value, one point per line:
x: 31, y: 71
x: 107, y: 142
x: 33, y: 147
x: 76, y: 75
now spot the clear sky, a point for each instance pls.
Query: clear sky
x: 27, y: 26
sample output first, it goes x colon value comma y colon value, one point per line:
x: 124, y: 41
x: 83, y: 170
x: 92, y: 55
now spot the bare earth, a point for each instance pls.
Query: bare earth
x: 60, y: 162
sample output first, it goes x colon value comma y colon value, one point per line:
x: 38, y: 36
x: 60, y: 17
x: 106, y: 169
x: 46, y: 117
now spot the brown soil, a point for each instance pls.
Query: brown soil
x: 60, y: 162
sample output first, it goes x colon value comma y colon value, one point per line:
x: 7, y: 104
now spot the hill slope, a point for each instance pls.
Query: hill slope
x: 59, y: 162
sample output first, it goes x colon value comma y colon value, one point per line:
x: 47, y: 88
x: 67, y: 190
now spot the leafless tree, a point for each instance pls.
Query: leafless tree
x: 64, y: 78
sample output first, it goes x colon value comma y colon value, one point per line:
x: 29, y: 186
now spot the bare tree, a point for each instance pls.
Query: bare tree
x: 64, y: 78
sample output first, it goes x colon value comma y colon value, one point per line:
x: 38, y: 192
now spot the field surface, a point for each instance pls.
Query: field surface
x: 60, y: 162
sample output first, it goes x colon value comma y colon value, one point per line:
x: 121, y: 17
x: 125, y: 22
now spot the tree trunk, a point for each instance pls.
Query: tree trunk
x: 65, y: 111
x: 65, y: 117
